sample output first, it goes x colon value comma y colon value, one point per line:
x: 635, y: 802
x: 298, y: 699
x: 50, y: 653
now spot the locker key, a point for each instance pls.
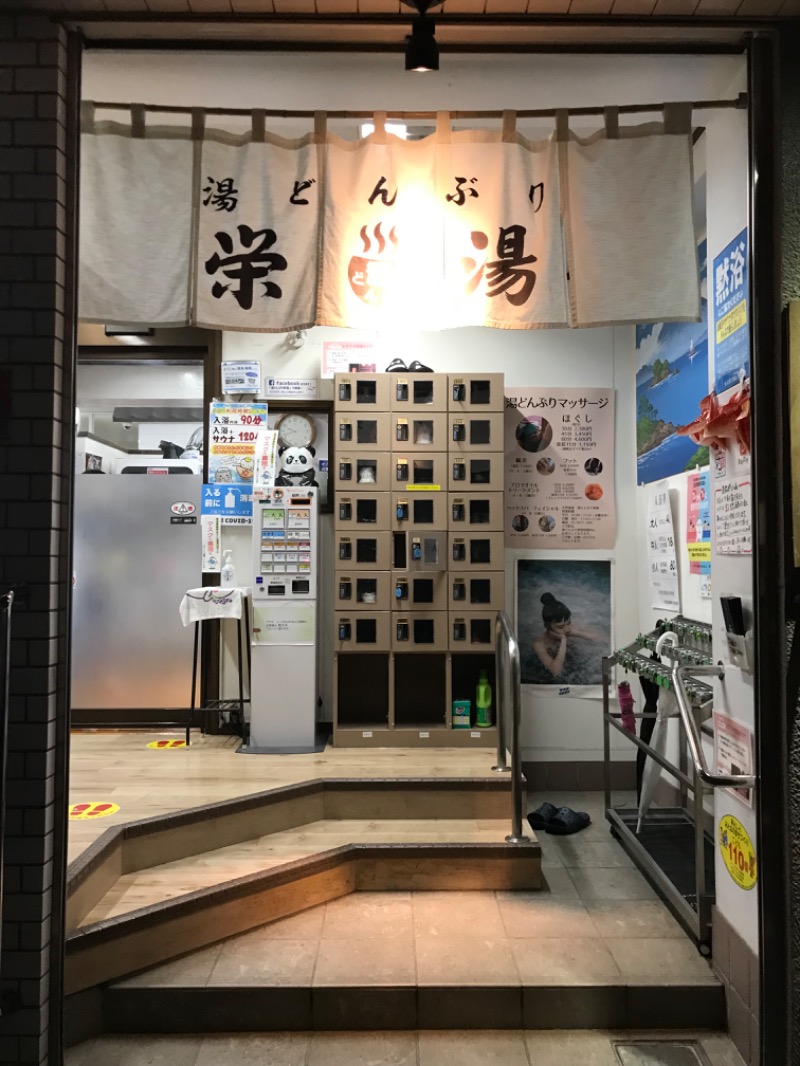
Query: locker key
x: 402, y: 512
x: 402, y: 431
x: 459, y: 393
x: 344, y: 391
x: 345, y: 550
x: 459, y: 552
x: 345, y: 431
x: 344, y: 590
x: 459, y: 630
x: 459, y: 512
x: 401, y: 391
x: 345, y: 512
x: 459, y: 590
x: 459, y: 472
x: 401, y: 591
x: 344, y: 631
x: 402, y: 630
x: 416, y: 550
x: 345, y: 471
x: 402, y: 471
x: 459, y: 431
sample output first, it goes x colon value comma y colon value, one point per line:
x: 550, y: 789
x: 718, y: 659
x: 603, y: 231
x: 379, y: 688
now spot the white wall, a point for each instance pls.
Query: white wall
x: 563, y: 728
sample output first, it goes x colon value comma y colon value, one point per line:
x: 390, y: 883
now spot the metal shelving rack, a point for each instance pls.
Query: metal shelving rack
x: 675, y: 848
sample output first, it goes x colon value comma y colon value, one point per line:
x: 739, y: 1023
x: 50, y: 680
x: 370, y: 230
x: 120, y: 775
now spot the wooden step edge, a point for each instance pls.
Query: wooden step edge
x: 117, y: 947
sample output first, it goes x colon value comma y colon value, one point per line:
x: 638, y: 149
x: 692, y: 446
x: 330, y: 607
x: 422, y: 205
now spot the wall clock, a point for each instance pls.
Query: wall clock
x: 296, y: 429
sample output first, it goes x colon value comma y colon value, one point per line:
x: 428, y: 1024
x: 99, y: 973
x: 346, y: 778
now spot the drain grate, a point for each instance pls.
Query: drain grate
x: 661, y: 1053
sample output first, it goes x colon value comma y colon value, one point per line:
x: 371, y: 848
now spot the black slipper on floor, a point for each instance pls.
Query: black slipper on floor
x: 396, y: 364
x: 566, y: 821
x: 542, y: 816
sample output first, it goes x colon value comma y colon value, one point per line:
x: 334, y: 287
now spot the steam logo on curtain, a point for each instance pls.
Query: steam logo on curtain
x: 373, y: 272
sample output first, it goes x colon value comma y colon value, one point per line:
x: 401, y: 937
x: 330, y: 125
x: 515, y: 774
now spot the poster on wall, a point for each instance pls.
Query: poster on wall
x: 347, y: 357
x: 698, y: 529
x: 233, y: 429
x: 671, y: 380
x: 731, y: 318
x: 732, y: 517
x: 733, y: 751
x: 559, y: 468
x: 563, y: 616
x: 664, y: 589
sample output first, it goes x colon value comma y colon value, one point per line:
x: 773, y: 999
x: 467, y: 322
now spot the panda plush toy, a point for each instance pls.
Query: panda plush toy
x: 297, y: 467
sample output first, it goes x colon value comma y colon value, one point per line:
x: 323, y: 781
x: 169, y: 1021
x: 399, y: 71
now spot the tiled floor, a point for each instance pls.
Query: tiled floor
x: 423, y: 1048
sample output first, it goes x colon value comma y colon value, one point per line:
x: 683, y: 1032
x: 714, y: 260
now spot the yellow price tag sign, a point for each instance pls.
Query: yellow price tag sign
x: 738, y: 852
x: 91, y: 810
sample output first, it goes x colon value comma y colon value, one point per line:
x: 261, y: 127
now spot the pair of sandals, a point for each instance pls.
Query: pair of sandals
x: 560, y: 821
x: 415, y: 368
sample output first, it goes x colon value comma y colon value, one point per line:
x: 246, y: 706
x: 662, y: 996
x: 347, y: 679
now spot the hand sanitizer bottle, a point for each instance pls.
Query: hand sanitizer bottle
x: 228, y: 573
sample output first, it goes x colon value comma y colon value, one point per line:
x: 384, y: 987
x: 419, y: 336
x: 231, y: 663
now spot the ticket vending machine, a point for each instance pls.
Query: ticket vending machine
x: 284, y: 688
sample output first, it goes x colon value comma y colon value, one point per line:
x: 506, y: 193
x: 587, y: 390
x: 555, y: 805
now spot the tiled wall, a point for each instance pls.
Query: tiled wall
x: 737, y: 967
x: 35, y: 368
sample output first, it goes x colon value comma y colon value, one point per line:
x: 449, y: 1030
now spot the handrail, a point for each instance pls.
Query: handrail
x: 6, y: 603
x: 506, y: 642
x: 693, y: 733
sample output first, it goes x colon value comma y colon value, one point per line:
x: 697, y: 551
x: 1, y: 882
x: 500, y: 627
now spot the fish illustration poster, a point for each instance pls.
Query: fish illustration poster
x: 559, y: 455
x: 671, y: 380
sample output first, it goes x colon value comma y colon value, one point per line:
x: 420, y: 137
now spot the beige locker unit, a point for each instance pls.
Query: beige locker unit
x: 419, y: 431
x: 480, y: 590
x: 475, y: 471
x: 424, y: 536
x: 475, y: 392
x: 357, y: 590
x: 419, y: 631
x: 418, y: 392
x: 414, y: 470
x: 361, y: 392
x: 363, y: 510
x: 362, y: 431
x: 419, y: 510
x: 472, y: 630
x: 358, y: 550
x: 362, y: 631
x: 476, y: 551
x: 367, y: 471
x: 476, y: 431
x: 477, y: 511
x: 418, y: 592
x: 361, y: 683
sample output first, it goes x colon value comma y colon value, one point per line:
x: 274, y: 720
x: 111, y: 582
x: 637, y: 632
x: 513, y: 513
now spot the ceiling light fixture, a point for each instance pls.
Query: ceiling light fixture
x: 422, y: 51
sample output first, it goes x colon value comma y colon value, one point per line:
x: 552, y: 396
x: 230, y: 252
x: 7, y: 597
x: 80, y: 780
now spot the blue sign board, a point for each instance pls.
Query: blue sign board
x: 731, y: 317
x: 232, y: 503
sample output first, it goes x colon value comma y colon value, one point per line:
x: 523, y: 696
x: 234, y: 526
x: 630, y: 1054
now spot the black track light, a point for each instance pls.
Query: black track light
x: 422, y: 51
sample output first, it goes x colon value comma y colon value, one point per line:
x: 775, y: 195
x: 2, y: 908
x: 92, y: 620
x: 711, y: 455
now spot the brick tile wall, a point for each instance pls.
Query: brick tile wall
x: 36, y: 364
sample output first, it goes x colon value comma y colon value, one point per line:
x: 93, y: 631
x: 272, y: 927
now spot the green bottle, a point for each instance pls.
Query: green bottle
x: 483, y: 702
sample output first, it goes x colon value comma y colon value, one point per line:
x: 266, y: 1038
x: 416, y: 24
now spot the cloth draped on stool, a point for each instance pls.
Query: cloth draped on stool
x: 200, y: 604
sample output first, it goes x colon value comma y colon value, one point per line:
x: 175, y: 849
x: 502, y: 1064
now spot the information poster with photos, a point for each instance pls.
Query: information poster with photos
x: 559, y: 468
x: 233, y: 431
x: 698, y: 529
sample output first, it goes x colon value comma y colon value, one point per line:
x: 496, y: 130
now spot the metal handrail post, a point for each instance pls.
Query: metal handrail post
x: 504, y: 638
x: 500, y: 644
x: 6, y: 603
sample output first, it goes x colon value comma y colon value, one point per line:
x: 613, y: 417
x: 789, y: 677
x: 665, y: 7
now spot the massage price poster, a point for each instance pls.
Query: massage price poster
x: 559, y: 468
x: 233, y: 431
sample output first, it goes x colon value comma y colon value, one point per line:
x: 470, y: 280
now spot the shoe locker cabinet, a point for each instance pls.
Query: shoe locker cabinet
x: 418, y: 513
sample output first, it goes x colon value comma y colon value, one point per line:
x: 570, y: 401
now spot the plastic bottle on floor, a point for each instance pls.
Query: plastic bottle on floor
x: 483, y: 702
